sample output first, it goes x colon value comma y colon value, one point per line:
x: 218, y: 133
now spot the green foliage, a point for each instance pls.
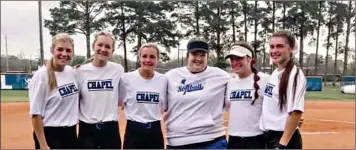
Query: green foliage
x: 74, y: 17
x: 77, y: 59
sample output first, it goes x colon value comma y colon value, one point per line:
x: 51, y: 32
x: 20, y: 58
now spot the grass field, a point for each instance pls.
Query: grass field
x: 328, y: 93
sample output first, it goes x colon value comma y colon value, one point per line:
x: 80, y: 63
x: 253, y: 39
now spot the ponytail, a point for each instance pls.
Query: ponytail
x: 283, y: 85
x: 52, y: 82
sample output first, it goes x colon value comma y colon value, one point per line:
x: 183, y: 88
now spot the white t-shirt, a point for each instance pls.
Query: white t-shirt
x: 99, y: 89
x: 195, y: 105
x: 59, y: 107
x: 272, y: 118
x: 142, y: 99
x: 244, y: 118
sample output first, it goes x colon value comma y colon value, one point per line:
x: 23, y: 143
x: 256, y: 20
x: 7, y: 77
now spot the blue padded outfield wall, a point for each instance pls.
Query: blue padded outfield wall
x: 348, y: 80
x: 15, y: 81
x: 314, y: 83
x: 20, y: 82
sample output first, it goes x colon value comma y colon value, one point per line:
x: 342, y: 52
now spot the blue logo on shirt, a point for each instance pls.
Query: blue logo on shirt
x: 195, y: 86
x: 269, y: 89
x: 241, y: 95
x: 67, y: 90
x: 100, y: 85
x: 147, y: 97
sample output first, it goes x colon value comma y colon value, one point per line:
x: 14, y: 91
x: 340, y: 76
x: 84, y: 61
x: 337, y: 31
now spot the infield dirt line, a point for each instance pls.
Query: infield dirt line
x: 321, y: 120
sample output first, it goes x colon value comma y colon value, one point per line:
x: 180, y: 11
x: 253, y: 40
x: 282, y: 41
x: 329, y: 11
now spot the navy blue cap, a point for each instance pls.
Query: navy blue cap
x: 197, y: 45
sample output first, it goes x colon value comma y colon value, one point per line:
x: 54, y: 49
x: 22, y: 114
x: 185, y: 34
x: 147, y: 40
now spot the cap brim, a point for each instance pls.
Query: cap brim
x: 198, y: 49
x: 236, y: 54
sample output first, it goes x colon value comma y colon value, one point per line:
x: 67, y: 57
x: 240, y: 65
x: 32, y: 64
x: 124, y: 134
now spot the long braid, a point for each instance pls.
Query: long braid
x: 256, y: 78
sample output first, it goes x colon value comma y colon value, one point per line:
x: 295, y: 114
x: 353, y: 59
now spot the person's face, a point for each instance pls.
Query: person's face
x: 279, y: 50
x: 148, y: 58
x: 197, y: 61
x: 103, y: 48
x: 62, y: 53
x: 240, y: 64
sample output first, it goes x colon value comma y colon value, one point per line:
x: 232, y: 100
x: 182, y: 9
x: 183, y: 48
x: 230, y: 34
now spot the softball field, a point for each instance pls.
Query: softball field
x: 327, y: 125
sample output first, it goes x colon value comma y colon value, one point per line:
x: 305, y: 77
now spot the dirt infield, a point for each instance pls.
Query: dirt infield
x: 327, y: 125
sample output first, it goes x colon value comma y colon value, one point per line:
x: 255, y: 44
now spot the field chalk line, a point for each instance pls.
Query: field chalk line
x: 321, y: 120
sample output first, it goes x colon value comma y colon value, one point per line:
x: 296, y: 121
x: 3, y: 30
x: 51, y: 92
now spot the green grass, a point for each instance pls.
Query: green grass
x: 328, y: 93
x: 14, y: 96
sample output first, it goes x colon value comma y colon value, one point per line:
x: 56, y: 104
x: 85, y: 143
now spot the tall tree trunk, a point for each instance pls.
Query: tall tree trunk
x: 124, y: 37
x: 197, y: 15
x: 301, y: 45
x: 348, y: 19
x: 336, y: 51
x: 233, y: 25
x: 244, y: 5
x: 317, y: 40
x: 255, y: 38
x: 218, y: 36
x: 273, y: 29
x: 284, y: 15
x: 139, y: 38
x: 327, y: 51
x: 87, y: 28
x: 273, y: 15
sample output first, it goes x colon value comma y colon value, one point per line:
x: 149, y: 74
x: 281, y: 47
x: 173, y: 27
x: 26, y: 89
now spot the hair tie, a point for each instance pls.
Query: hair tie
x: 253, y: 62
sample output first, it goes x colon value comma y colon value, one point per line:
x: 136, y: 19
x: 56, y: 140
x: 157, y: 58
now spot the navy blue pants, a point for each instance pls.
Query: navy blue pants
x: 273, y: 137
x: 59, y: 137
x: 143, y: 135
x: 103, y: 135
x: 217, y: 143
x: 254, y: 142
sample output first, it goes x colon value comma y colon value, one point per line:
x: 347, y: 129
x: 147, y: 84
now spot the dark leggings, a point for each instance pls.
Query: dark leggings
x: 273, y: 137
x: 59, y: 137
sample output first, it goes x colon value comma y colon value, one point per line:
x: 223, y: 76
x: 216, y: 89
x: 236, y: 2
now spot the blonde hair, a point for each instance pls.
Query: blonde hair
x: 149, y: 45
x: 105, y: 34
x: 61, y: 37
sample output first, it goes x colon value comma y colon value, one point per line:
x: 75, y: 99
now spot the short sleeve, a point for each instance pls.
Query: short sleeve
x: 227, y: 97
x: 297, y: 103
x: 122, y: 90
x: 37, y: 90
x: 164, y: 97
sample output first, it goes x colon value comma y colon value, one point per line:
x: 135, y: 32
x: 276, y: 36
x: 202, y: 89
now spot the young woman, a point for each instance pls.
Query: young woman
x: 53, y: 95
x: 283, y: 101
x: 195, y: 102
x: 244, y: 98
x: 99, y: 97
x: 142, y: 92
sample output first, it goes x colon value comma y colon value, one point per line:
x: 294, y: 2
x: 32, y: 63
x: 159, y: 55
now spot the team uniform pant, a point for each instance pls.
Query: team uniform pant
x: 143, y: 135
x: 217, y: 143
x: 59, y: 137
x: 254, y: 142
x: 273, y: 137
x: 104, y: 135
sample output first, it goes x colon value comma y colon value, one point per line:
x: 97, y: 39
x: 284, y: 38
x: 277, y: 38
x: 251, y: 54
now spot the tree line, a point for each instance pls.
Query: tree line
x: 220, y: 23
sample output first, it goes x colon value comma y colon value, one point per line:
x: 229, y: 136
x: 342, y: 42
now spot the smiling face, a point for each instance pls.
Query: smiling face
x: 62, y: 52
x: 103, y: 48
x: 280, y: 50
x: 197, y: 61
x: 149, y: 58
x: 240, y: 65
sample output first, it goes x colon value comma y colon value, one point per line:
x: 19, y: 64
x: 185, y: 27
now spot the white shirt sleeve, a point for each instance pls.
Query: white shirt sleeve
x: 298, y: 102
x: 122, y: 91
x: 227, y: 97
x: 164, y: 101
x: 37, y: 94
